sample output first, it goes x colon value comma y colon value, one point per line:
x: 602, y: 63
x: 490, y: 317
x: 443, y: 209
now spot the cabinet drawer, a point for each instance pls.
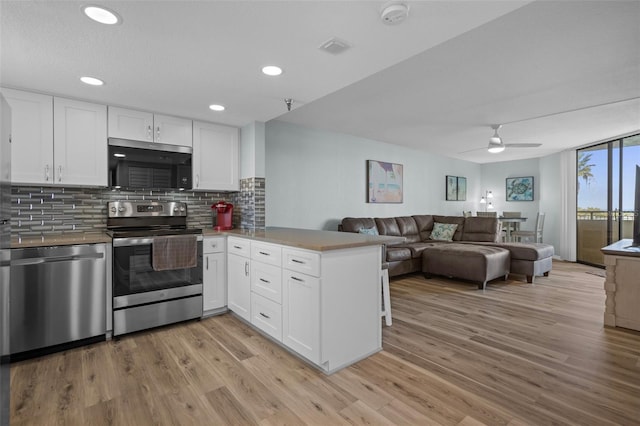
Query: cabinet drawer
x: 266, y: 280
x: 267, y: 253
x: 267, y: 316
x: 239, y: 246
x: 213, y: 245
x: 307, y: 262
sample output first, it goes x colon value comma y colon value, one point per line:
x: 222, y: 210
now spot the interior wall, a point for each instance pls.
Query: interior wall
x: 315, y: 178
x: 494, y: 177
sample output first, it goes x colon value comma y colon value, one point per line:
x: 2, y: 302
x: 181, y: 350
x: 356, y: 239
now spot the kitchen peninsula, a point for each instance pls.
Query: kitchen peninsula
x: 316, y: 292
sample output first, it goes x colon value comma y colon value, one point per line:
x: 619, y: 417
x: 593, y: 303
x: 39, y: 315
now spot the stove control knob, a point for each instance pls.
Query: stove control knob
x: 182, y: 209
x: 121, y: 209
x: 113, y: 209
x: 175, y: 209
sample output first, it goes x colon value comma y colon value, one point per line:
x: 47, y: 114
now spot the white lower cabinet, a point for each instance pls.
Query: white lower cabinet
x: 266, y: 315
x: 214, y: 276
x: 238, y: 277
x: 301, y: 314
x: 324, y: 306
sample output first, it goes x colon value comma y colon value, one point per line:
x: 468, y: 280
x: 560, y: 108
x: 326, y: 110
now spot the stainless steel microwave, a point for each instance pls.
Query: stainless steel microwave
x: 147, y: 165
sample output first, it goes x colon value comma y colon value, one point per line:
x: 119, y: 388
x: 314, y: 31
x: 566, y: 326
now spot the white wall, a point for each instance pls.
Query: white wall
x: 494, y: 177
x: 252, y: 146
x: 315, y: 178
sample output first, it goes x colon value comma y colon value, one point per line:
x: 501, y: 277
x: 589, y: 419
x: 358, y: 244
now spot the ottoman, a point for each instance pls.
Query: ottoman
x: 530, y: 259
x: 475, y: 263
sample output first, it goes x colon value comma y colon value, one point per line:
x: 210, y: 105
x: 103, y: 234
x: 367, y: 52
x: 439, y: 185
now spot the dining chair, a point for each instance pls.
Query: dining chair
x: 513, y: 226
x: 536, y: 234
x: 487, y: 214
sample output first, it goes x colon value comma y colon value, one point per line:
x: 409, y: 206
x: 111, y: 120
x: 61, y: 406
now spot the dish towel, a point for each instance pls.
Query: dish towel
x: 174, y: 252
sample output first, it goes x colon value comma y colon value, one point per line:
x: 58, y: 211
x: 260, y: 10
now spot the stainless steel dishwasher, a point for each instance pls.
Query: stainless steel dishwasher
x: 57, y: 296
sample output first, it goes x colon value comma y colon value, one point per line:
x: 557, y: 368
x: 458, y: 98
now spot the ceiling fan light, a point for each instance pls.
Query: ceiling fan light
x: 495, y: 148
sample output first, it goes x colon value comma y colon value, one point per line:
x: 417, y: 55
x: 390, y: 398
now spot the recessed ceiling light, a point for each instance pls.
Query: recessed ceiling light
x: 102, y: 15
x: 92, y: 81
x: 216, y: 107
x: 272, y: 70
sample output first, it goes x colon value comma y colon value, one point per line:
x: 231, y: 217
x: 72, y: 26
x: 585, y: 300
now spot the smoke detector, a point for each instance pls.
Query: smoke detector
x: 394, y: 12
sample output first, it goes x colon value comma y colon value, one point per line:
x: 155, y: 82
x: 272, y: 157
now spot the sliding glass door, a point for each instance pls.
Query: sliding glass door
x: 605, y: 182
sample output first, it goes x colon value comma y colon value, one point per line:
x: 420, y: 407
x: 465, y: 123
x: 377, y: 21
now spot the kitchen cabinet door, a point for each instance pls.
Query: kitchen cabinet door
x: 172, y: 130
x: 130, y: 124
x: 80, y: 143
x: 239, y: 285
x: 301, y: 314
x: 214, y: 276
x: 32, y: 137
x: 215, y: 157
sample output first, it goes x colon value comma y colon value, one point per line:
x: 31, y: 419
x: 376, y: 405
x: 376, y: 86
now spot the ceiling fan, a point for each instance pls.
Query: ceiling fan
x: 497, y: 145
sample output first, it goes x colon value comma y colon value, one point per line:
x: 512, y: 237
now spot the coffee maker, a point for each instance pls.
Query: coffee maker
x: 224, y: 215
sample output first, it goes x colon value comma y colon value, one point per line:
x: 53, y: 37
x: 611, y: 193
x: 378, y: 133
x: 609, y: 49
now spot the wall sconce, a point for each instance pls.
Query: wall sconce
x: 485, y: 200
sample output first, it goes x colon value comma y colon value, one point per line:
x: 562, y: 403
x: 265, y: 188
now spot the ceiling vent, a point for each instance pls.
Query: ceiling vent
x: 334, y: 46
x: 394, y: 12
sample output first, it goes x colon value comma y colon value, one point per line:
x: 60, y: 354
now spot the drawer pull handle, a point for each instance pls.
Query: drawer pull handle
x: 264, y: 254
x: 297, y: 279
x: 298, y: 261
x: 237, y: 247
x: 265, y: 281
x: 265, y: 315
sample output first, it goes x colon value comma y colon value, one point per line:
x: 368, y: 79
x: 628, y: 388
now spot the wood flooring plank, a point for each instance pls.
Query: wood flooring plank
x: 515, y: 354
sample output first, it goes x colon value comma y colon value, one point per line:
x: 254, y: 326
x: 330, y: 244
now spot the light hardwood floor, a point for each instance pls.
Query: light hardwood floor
x: 513, y: 354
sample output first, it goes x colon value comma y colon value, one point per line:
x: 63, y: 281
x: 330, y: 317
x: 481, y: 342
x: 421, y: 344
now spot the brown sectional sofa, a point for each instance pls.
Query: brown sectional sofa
x: 475, y: 252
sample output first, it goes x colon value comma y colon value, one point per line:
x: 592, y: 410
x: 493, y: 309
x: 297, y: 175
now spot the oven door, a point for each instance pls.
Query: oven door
x: 135, y: 282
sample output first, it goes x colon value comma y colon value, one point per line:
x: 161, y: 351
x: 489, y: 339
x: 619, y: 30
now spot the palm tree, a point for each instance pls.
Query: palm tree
x: 584, y: 168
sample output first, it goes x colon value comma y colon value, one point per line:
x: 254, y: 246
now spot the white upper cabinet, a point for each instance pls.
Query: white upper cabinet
x: 80, y: 143
x: 32, y: 136
x: 173, y: 130
x: 215, y: 157
x: 145, y: 126
x: 130, y: 124
x: 57, y: 141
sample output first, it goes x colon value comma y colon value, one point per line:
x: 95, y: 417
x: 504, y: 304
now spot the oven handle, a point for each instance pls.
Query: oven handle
x: 126, y: 242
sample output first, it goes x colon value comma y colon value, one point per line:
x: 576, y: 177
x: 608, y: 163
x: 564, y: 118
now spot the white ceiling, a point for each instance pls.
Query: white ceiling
x: 436, y: 82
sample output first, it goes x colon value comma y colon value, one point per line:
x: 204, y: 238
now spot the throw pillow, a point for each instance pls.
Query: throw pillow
x: 368, y: 231
x: 443, y: 231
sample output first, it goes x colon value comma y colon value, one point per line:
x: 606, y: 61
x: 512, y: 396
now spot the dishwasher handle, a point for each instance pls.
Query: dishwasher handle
x: 54, y: 259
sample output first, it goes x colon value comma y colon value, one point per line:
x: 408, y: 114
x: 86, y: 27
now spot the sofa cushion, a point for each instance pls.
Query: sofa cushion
x: 418, y: 248
x: 457, y: 220
x: 443, y: 231
x: 408, y: 229
x: 387, y: 226
x: 425, y: 225
x: 355, y: 224
x: 485, y: 229
x: 395, y: 254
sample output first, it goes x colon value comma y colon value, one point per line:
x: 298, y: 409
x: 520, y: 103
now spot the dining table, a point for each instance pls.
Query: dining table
x: 508, y: 224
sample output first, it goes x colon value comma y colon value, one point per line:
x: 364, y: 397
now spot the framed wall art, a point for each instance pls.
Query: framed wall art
x: 519, y: 189
x: 456, y: 188
x: 384, y: 182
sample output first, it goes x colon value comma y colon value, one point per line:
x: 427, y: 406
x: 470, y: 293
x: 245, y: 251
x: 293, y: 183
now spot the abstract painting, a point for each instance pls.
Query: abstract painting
x: 456, y: 188
x: 384, y: 182
x: 520, y: 189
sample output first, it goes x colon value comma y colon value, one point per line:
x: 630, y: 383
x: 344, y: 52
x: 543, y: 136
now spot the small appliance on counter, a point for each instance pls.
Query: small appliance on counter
x: 224, y: 218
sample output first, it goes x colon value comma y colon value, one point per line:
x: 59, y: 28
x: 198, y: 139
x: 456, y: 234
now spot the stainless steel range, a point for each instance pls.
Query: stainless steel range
x: 157, y: 265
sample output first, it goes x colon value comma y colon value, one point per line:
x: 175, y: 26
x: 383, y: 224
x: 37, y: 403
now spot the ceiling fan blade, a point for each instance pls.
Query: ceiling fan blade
x: 471, y: 150
x: 522, y: 145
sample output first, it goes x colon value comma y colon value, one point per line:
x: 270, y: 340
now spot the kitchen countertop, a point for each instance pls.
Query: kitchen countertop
x: 622, y: 248
x: 60, y: 239
x: 311, y: 239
